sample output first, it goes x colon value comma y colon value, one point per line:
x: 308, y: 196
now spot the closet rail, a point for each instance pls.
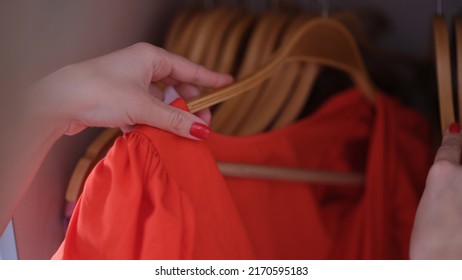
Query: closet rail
x: 289, y: 174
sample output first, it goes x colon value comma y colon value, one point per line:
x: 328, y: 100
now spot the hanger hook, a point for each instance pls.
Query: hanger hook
x: 439, y: 7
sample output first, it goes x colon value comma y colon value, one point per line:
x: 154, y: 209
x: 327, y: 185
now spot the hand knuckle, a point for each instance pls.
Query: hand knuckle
x: 453, y: 143
x: 176, y: 121
x: 196, y: 77
x: 143, y: 47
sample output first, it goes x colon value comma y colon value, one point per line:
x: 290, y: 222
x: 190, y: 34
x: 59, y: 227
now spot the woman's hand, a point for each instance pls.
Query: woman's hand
x: 437, y: 232
x: 116, y: 90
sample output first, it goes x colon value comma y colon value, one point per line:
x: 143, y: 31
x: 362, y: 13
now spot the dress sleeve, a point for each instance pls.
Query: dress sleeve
x: 129, y: 209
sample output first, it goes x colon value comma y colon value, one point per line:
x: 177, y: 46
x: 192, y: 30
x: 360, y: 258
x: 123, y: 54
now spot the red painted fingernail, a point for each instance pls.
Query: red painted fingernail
x: 454, y: 128
x: 199, y: 130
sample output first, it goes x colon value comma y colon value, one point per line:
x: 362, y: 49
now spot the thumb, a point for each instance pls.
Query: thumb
x: 175, y: 120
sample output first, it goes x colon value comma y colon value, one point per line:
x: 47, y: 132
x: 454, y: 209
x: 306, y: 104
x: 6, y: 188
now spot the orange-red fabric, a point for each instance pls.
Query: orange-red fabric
x: 159, y: 196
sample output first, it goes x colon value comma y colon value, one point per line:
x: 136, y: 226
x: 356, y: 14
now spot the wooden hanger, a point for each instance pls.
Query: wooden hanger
x: 351, y: 21
x: 267, y: 107
x: 257, y: 102
x: 222, y: 122
x: 199, y: 45
x: 443, y: 71
x: 301, y: 93
x: 218, y: 38
x: 233, y: 43
x: 322, y: 41
x: 298, y: 87
x: 310, y: 71
x: 270, y: 100
x: 347, y: 18
x: 175, y: 31
x: 275, y: 94
x: 209, y: 31
x: 228, y: 115
x: 189, y: 33
x: 458, y: 30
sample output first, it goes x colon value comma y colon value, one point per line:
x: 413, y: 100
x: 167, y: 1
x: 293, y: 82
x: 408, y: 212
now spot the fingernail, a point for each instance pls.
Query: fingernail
x: 199, y: 130
x: 454, y: 128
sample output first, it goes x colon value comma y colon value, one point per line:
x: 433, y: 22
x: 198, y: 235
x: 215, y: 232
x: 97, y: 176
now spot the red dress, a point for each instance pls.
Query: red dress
x: 159, y: 196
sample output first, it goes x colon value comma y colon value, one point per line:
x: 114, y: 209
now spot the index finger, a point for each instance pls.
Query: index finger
x: 185, y: 71
x: 450, y: 148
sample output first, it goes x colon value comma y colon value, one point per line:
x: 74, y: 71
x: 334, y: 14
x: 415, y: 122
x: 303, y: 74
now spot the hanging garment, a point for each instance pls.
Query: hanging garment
x: 160, y: 196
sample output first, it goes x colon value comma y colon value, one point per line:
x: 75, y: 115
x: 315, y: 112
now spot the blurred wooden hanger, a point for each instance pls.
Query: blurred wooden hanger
x: 300, y: 95
x: 192, y: 26
x: 322, y: 41
x: 256, y: 102
x: 310, y: 71
x: 234, y: 115
x: 443, y: 71
x: 199, y: 44
x: 271, y: 99
x: 222, y: 122
x: 353, y: 23
x: 302, y: 85
x: 253, y: 112
x: 458, y: 30
x: 269, y: 102
x: 175, y: 30
x: 218, y: 37
x: 233, y: 44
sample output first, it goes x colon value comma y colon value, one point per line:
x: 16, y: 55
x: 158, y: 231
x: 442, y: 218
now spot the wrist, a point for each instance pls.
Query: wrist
x: 41, y: 107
